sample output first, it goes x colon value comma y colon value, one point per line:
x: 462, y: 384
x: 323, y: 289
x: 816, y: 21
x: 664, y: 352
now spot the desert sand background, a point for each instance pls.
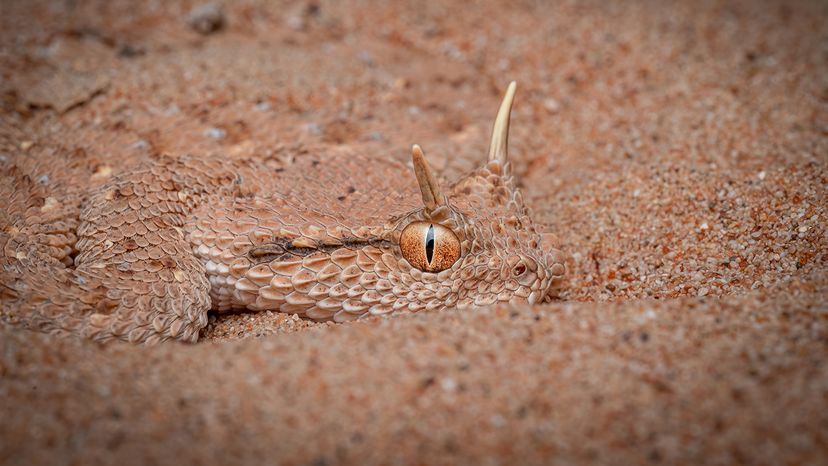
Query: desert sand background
x: 679, y: 150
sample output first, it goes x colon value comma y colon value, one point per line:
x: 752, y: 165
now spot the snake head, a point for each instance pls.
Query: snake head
x: 472, y: 244
x: 478, y: 236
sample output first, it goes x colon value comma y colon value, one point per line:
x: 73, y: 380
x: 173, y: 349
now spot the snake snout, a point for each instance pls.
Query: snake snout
x: 556, y: 268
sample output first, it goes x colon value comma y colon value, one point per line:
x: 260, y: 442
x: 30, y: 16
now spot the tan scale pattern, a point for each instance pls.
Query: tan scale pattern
x: 145, y: 256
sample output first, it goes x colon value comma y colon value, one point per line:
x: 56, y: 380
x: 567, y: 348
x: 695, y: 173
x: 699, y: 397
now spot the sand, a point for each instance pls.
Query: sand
x: 679, y: 151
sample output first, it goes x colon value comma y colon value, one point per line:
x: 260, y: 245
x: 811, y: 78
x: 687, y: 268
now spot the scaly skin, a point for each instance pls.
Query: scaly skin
x: 143, y: 258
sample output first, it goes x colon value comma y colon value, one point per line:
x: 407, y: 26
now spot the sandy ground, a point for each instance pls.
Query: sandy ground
x: 679, y: 150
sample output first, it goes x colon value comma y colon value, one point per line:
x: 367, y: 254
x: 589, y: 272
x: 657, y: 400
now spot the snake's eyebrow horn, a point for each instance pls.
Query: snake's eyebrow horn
x: 429, y: 188
x: 498, y: 148
x: 498, y: 152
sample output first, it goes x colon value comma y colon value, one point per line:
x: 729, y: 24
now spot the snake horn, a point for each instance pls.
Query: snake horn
x: 498, y: 148
x: 425, y: 178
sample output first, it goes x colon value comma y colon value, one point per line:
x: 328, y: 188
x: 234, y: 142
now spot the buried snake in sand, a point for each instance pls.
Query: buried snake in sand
x: 334, y: 236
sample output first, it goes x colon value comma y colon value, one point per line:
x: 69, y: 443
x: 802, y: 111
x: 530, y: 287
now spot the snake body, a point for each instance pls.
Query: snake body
x: 145, y: 256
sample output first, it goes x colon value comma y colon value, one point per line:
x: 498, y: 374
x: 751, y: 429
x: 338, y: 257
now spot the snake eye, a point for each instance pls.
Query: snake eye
x: 430, y: 247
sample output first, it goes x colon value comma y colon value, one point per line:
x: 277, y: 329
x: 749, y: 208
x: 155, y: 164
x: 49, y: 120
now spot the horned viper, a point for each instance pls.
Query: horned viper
x: 334, y: 236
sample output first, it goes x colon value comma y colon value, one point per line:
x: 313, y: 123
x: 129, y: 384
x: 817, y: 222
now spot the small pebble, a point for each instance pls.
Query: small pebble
x: 206, y: 19
x: 215, y: 133
x: 366, y: 58
x: 551, y: 105
x: 140, y: 144
x: 313, y: 128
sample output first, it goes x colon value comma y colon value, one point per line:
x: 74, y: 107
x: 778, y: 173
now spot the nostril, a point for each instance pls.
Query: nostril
x: 520, y: 269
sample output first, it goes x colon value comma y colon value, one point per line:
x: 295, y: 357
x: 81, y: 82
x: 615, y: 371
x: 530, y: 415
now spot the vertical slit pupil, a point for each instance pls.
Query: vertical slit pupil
x: 429, y: 243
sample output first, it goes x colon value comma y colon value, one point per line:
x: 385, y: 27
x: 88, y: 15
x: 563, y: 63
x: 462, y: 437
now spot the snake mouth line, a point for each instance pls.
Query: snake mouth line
x: 285, y: 249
